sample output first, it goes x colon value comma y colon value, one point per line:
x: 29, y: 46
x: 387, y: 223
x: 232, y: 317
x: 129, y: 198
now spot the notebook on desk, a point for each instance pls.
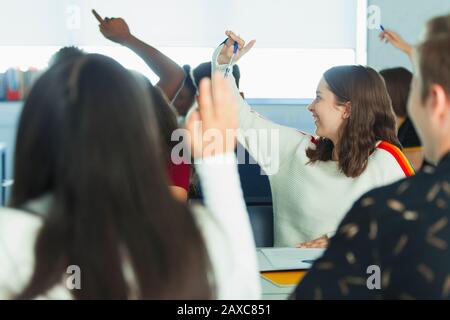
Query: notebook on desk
x: 280, y: 259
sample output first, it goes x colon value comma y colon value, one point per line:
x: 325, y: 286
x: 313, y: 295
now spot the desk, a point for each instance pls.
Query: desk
x: 271, y: 291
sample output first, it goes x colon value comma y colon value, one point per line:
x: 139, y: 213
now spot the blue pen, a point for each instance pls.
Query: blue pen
x: 230, y: 64
x: 381, y: 27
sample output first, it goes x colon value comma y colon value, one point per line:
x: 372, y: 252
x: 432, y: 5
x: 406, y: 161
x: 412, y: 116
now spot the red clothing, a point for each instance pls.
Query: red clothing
x: 179, y: 175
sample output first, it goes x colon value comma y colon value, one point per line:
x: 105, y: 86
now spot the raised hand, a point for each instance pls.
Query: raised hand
x: 227, y: 50
x: 114, y: 29
x: 212, y: 128
x: 396, y: 40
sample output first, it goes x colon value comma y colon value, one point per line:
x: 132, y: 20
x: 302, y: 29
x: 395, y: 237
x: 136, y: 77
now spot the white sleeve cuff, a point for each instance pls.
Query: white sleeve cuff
x: 214, y: 64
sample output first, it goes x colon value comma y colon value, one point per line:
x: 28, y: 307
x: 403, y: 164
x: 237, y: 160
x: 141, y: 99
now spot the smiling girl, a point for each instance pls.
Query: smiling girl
x: 317, y: 178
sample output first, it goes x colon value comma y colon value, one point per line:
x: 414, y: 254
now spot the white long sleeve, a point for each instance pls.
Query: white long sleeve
x: 309, y: 199
x: 226, y: 228
x: 270, y: 144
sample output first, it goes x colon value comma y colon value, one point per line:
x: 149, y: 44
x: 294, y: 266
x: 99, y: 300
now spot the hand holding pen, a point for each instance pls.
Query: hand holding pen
x: 396, y: 40
x: 230, y: 64
x: 229, y: 53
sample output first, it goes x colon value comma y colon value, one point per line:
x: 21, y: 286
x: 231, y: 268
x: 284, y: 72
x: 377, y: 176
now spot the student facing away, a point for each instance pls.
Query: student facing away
x: 91, y: 191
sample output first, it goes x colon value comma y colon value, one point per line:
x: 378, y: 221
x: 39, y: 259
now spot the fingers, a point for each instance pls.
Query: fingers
x: 205, y: 100
x: 193, y: 126
x: 386, y: 37
x: 236, y: 38
x: 321, y: 242
x: 392, y: 36
x: 217, y: 101
x: 223, y: 98
x: 220, y: 84
x: 190, y: 125
x: 103, y: 28
x: 248, y: 47
x: 312, y: 245
x: 389, y: 38
x: 232, y: 37
x: 97, y: 16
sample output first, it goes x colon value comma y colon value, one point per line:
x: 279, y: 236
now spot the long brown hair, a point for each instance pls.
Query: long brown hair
x: 371, y: 118
x: 166, y: 116
x: 88, y: 136
x: 398, y: 83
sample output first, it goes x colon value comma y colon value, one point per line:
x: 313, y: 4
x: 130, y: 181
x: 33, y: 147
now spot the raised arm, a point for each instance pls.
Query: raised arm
x: 226, y: 227
x: 397, y: 41
x: 270, y: 144
x: 171, y: 75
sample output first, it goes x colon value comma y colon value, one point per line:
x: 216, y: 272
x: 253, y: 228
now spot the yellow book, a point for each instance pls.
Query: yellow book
x: 284, y: 278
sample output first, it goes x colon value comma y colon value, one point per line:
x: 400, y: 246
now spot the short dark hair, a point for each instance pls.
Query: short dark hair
x: 66, y: 54
x: 203, y: 70
x: 434, y: 57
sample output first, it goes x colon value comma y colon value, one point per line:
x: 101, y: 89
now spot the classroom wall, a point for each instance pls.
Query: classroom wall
x: 405, y: 17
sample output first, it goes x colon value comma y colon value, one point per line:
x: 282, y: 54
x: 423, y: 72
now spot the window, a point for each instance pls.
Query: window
x: 297, y: 40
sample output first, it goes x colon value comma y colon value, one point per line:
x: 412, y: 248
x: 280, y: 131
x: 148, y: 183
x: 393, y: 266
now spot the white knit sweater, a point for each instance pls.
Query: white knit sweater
x: 309, y: 200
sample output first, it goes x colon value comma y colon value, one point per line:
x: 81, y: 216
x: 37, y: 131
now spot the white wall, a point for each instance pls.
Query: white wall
x: 407, y: 17
x: 178, y: 23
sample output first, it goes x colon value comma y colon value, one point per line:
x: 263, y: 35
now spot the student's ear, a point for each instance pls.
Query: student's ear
x: 438, y: 103
x: 347, y: 111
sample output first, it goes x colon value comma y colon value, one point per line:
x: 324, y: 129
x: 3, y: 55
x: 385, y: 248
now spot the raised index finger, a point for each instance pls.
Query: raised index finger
x: 223, y: 97
x: 97, y: 16
x: 205, y: 100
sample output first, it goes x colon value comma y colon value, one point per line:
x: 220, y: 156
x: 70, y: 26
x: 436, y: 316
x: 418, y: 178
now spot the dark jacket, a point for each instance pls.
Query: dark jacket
x: 404, y: 230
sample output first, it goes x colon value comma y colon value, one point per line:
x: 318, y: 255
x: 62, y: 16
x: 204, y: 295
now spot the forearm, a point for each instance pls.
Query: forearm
x: 408, y: 50
x: 171, y: 75
x: 224, y: 200
x: 267, y: 142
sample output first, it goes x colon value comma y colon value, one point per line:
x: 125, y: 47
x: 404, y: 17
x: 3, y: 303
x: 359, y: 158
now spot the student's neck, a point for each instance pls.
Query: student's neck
x: 443, y: 151
x: 334, y: 155
x: 399, y: 121
x: 335, y: 152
